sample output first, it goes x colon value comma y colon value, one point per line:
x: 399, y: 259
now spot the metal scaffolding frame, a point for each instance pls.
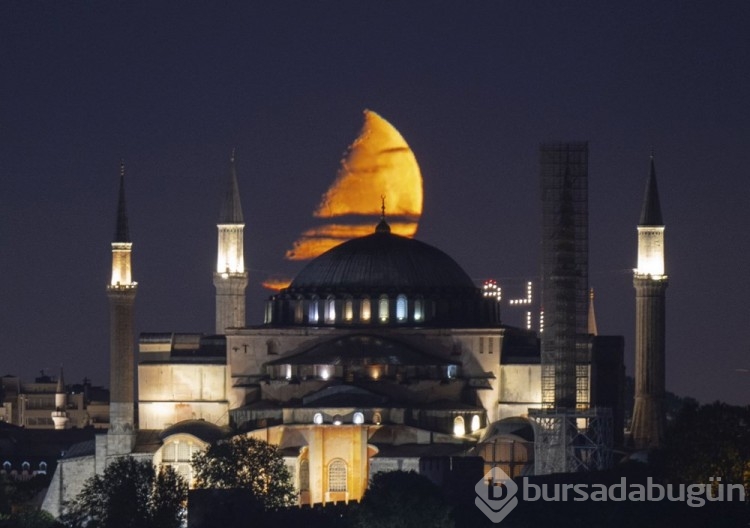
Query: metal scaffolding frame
x: 572, y: 441
x: 565, y: 351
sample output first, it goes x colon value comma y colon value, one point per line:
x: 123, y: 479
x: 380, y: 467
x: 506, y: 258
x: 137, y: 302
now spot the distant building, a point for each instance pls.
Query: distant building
x: 32, y: 404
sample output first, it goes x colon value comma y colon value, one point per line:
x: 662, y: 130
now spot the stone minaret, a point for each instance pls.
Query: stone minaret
x: 60, y: 414
x: 230, y: 278
x: 121, y: 292
x: 650, y: 281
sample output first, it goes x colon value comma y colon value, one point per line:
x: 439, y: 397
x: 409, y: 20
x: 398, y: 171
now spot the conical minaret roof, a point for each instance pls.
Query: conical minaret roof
x: 231, y: 208
x: 122, y: 232
x: 651, y: 212
x: 60, y: 382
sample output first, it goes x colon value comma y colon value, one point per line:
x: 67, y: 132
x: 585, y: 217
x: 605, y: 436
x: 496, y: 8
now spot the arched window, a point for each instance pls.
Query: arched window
x: 25, y: 466
x: 459, y: 429
x: 268, y: 313
x: 401, y: 308
x: 312, y: 314
x: 330, y: 312
x: 418, y: 310
x: 364, y: 313
x: 376, y: 418
x: 43, y: 467
x: 383, y: 308
x: 451, y: 371
x: 179, y: 455
x: 359, y: 418
x: 348, y: 309
x: 299, y: 311
x: 337, y: 475
x: 304, y: 475
x: 475, y: 423
x: 7, y: 465
x: 318, y: 418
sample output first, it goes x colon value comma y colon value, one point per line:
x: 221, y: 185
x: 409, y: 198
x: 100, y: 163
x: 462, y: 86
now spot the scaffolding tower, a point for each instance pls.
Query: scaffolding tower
x: 569, y: 435
x: 565, y: 352
x: 571, y: 441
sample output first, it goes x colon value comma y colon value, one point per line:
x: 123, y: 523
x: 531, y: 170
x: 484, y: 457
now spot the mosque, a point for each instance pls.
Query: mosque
x: 381, y: 353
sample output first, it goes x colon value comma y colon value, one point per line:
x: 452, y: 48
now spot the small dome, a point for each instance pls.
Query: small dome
x: 381, y: 262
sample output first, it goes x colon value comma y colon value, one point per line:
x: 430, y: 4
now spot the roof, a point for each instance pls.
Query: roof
x: 231, y: 207
x: 122, y: 231
x: 206, y: 431
x: 651, y: 212
x: 379, y: 263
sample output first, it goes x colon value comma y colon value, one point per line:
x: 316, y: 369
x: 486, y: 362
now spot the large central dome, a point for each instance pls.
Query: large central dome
x: 382, y: 263
x: 382, y: 279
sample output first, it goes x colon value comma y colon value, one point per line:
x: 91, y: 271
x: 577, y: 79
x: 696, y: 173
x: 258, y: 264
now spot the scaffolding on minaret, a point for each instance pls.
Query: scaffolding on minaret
x: 570, y: 436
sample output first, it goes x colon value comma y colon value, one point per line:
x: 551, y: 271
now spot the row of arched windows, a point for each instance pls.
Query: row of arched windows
x: 332, y: 310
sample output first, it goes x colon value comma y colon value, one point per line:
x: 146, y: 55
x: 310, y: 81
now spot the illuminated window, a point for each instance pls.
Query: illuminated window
x: 337, y: 419
x: 337, y: 475
x: 383, y: 309
x: 268, y: 313
x: 359, y: 418
x: 324, y: 372
x: 298, y: 311
x: 459, y: 429
x: 312, y: 315
x: 401, y: 308
x: 287, y: 371
x: 376, y: 418
x: 364, y: 313
x: 418, y: 310
x: 451, y: 371
x: 178, y: 455
x: 475, y: 423
x: 348, y: 309
x: 330, y: 310
x: 318, y: 418
x: 304, y: 475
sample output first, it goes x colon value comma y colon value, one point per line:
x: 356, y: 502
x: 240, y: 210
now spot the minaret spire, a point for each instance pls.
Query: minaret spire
x: 60, y: 414
x: 121, y: 293
x: 650, y: 282
x: 230, y: 277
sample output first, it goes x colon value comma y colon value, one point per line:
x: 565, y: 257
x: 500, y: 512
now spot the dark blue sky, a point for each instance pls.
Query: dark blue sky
x: 474, y: 87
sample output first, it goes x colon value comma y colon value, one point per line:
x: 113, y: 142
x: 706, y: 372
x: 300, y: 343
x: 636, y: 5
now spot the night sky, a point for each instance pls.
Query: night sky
x: 474, y: 88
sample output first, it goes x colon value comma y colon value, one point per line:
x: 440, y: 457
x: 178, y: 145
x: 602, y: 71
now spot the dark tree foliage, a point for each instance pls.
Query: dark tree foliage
x: 246, y: 463
x: 707, y: 441
x: 130, y: 494
x: 403, y: 499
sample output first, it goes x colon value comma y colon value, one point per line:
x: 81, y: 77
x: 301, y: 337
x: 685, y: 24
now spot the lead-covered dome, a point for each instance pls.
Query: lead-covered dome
x: 382, y: 262
x: 385, y: 280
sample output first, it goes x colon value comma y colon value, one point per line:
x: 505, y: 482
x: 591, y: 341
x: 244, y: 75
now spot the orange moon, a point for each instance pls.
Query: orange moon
x: 378, y: 163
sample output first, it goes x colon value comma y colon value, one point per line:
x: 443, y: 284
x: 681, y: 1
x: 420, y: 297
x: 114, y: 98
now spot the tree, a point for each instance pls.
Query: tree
x: 403, y: 499
x: 246, y: 463
x: 130, y: 494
